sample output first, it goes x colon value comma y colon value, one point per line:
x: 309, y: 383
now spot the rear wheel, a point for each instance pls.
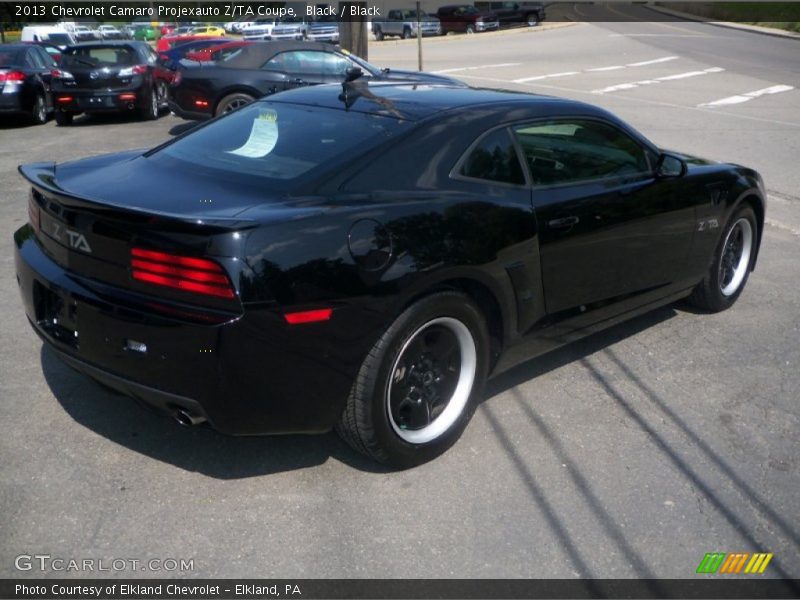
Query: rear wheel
x: 417, y: 388
x: 149, y: 110
x: 161, y: 93
x: 532, y: 19
x: 63, y: 118
x: 730, y: 268
x: 406, y: 33
x: 232, y: 102
x: 470, y: 29
x: 379, y: 34
x: 39, y: 110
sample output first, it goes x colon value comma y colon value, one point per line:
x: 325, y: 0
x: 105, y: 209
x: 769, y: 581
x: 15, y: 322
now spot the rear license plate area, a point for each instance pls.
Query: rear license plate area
x: 56, y: 314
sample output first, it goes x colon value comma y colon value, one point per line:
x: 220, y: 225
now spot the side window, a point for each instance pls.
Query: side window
x: 48, y: 60
x: 494, y: 158
x: 570, y: 151
x: 308, y: 61
x: 395, y: 15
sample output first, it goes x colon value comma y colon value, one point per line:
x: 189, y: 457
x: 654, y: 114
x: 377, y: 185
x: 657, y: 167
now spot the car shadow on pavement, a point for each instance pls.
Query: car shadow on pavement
x: 200, y: 448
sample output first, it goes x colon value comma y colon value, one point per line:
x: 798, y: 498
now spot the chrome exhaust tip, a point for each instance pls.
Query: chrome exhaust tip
x: 187, y: 419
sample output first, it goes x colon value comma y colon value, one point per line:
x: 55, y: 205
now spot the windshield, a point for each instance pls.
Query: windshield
x: 101, y: 56
x: 59, y: 38
x: 8, y: 57
x: 279, y: 143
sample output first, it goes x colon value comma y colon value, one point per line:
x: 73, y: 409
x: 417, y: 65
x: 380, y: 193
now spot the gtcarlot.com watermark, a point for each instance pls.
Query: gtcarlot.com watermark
x: 49, y: 563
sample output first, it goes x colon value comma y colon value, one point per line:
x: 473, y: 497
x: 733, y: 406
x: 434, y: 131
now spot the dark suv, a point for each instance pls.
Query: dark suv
x: 530, y: 13
x: 107, y: 77
x: 465, y: 18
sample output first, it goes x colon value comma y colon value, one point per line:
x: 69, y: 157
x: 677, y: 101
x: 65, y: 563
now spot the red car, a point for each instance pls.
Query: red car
x: 167, y: 42
x: 167, y: 29
x: 218, y: 52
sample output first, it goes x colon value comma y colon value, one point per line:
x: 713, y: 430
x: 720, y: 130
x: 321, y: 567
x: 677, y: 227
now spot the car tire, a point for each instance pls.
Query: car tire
x: 388, y: 415
x: 63, y: 118
x: 470, y: 30
x: 149, y: 111
x: 378, y: 34
x: 532, y: 19
x: 232, y: 102
x: 406, y: 33
x: 161, y: 93
x: 731, y: 265
x: 39, y: 110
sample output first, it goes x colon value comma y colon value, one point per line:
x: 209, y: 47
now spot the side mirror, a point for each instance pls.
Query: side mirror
x: 352, y: 73
x: 670, y: 166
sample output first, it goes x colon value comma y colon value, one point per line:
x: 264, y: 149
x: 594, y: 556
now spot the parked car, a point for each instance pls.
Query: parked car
x: 216, y: 52
x: 181, y: 31
x: 266, y: 68
x: 172, y: 57
x: 465, y: 18
x: 82, y: 33
x: 403, y: 24
x: 208, y: 30
x: 25, y: 81
x: 172, y: 41
x: 144, y: 33
x: 58, y: 36
x: 109, y: 32
x: 53, y: 51
x: 508, y: 13
x: 290, y: 28
x: 363, y: 257
x: 260, y: 29
x: 167, y: 29
x: 324, y: 29
x: 112, y: 76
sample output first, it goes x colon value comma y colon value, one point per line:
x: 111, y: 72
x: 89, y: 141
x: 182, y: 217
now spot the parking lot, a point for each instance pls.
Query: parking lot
x: 629, y: 454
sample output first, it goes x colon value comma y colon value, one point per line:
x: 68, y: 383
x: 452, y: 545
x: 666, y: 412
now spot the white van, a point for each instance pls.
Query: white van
x: 58, y: 36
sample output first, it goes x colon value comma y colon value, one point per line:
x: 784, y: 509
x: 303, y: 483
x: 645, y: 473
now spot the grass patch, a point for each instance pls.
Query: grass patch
x: 779, y: 15
x: 12, y: 36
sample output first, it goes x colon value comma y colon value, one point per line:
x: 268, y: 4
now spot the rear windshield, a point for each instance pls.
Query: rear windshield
x: 101, y: 56
x: 9, y: 57
x: 280, y: 143
x: 62, y: 39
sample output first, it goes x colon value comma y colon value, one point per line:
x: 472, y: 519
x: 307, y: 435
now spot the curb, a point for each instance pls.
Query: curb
x: 726, y: 24
x: 485, y: 34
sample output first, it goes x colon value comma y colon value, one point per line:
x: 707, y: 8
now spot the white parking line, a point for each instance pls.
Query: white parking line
x: 652, y: 62
x: 775, y: 89
x: 538, y: 77
x: 497, y: 66
x: 635, y: 84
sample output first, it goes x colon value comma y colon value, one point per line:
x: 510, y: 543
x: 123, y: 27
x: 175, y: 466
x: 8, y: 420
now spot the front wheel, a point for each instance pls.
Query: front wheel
x: 378, y: 34
x: 731, y: 265
x: 418, y: 386
x: 470, y: 29
x: 532, y: 20
x: 406, y: 33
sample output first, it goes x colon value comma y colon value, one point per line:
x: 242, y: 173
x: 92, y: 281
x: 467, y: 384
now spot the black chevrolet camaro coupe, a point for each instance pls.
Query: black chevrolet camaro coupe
x: 268, y: 67
x: 363, y: 256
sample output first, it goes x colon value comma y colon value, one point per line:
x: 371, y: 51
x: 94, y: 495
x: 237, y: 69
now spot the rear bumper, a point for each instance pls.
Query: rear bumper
x: 11, y: 104
x: 91, y: 101
x: 253, y: 374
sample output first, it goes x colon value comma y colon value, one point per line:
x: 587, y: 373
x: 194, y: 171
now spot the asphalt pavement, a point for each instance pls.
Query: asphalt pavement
x: 629, y: 454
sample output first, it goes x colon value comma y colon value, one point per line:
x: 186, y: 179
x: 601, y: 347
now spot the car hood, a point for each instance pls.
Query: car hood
x: 132, y: 181
x: 692, y: 160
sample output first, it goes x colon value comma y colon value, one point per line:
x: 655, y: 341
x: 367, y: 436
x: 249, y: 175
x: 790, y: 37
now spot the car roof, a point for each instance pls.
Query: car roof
x: 252, y: 57
x: 416, y: 102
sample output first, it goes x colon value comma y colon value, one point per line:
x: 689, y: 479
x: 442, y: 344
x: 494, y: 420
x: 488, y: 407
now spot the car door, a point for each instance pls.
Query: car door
x: 45, y: 66
x: 609, y: 230
x: 38, y: 74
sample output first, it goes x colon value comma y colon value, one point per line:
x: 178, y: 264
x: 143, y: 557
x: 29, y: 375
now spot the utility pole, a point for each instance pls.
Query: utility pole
x: 353, y: 28
x: 419, y: 36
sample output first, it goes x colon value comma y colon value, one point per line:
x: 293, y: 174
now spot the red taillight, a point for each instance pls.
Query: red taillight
x: 308, y: 316
x: 201, y: 103
x: 140, y: 69
x: 177, y: 78
x: 64, y: 99
x: 12, y: 77
x: 196, y: 275
x: 33, y: 214
x: 127, y: 96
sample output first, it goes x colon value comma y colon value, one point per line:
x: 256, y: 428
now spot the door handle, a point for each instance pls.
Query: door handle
x: 563, y: 223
